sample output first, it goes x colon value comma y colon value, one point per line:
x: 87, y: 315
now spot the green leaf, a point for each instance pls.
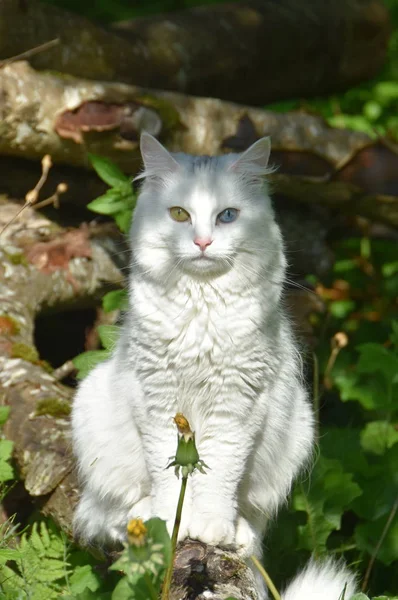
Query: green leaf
x: 331, y: 491
x: 123, y: 591
x: 6, y: 447
x: 341, y: 308
x: 6, y: 470
x: 378, y: 436
x: 379, y: 485
x: 368, y: 535
x: 86, y: 361
x: 347, y: 264
x: 123, y: 219
x: 4, y: 412
x: 82, y: 578
x: 375, y: 358
x: 109, y: 334
x: 115, y: 300
x: 9, y: 554
x: 108, y: 171
x: 111, y: 203
x: 359, y: 596
x: 370, y: 394
x: 157, y: 531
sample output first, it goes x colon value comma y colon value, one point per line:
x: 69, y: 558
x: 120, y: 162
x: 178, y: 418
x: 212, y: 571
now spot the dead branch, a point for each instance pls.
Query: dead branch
x: 67, y: 118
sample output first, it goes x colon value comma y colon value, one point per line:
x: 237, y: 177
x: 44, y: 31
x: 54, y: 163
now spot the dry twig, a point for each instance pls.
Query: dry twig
x: 30, y: 52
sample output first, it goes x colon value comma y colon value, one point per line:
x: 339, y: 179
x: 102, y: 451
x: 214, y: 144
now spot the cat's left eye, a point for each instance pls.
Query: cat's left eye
x: 228, y: 215
x: 179, y: 214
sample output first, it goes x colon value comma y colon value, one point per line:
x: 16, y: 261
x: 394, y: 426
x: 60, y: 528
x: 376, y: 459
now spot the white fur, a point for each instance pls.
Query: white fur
x: 324, y: 581
x: 205, y: 336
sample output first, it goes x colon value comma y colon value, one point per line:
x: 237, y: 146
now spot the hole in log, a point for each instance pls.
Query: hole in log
x: 61, y: 336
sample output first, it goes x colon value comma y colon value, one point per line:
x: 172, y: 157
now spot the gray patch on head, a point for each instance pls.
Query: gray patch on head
x: 200, y: 164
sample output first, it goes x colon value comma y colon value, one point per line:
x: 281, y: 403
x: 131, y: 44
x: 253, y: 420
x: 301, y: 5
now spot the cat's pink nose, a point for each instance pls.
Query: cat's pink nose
x: 202, y: 242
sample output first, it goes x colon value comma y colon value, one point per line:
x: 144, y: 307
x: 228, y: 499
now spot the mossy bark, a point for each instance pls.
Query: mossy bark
x: 69, y: 117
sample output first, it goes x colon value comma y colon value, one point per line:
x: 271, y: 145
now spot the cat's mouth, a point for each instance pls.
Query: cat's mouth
x: 205, y: 266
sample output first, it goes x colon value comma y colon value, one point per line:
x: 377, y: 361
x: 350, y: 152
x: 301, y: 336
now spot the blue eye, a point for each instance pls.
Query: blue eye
x: 228, y: 215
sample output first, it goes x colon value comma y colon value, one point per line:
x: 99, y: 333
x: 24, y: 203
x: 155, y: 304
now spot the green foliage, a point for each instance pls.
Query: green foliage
x: 6, y: 446
x: 329, y: 492
x: 370, y: 107
x: 144, y: 565
x: 348, y: 506
x: 115, y: 300
x: 41, y: 567
x: 86, y: 361
x: 119, y: 200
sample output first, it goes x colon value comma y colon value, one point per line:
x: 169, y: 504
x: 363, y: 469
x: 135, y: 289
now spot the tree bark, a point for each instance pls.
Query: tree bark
x: 43, y: 267
x: 255, y: 51
x: 68, y: 117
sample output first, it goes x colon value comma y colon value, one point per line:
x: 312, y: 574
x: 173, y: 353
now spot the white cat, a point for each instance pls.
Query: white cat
x: 205, y: 335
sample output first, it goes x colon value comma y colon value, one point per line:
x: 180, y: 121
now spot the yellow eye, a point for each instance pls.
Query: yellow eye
x: 179, y: 214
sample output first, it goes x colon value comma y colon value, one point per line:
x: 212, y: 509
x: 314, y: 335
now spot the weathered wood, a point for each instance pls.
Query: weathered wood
x: 254, y: 51
x: 68, y: 117
x: 43, y: 267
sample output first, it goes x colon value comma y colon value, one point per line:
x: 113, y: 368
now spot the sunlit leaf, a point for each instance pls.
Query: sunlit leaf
x: 108, y: 171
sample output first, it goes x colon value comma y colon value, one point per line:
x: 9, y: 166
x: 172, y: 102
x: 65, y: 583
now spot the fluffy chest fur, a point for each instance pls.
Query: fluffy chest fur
x: 201, y: 345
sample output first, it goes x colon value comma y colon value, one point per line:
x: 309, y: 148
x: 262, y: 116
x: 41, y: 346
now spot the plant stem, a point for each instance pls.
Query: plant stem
x: 266, y: 578
x: 315, y: 399
x: 174, y: 537
x: 379, y: 544
x: 150, y: 586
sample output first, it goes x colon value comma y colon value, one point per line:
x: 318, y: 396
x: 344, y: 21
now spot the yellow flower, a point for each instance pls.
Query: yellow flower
x: 187, y: 457
x: 136, y: 532
x: 182, y: 423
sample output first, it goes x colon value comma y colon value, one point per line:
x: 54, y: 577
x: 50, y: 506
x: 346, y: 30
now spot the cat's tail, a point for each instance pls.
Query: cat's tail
x: 328, y: 580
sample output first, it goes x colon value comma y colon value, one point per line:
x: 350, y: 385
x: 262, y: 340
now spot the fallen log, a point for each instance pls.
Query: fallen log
x: 69, y: 117
x: 254, y: 51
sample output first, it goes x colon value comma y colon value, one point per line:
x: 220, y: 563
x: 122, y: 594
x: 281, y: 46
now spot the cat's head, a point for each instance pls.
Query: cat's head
x: 205, y: 217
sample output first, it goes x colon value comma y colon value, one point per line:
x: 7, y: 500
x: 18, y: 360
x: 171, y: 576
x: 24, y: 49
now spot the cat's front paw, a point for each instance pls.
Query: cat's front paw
x: 246, y: 541
x: 216, y: 531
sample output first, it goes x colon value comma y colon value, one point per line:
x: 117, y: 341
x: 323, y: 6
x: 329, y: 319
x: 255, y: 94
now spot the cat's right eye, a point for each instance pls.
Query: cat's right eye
x: 179, y: 214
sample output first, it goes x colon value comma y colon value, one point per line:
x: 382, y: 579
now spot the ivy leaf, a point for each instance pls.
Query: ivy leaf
x: 86, y: 361
x: 108, y: 171
x: 371, y: 393
x: 375, y: 358
x: 82, y: 578
x: 379, y: 485
x: 378, y: 436
x: 109, y: 335
x: 367, y: 536
x: 4, y: 412
x: 331, y: 491
x: 6, y: 470
x: 115, y: 300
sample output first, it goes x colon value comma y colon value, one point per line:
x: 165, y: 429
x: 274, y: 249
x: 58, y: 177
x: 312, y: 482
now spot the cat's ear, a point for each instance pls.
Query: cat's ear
x: 157, y: 160
x: 254, y: 160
